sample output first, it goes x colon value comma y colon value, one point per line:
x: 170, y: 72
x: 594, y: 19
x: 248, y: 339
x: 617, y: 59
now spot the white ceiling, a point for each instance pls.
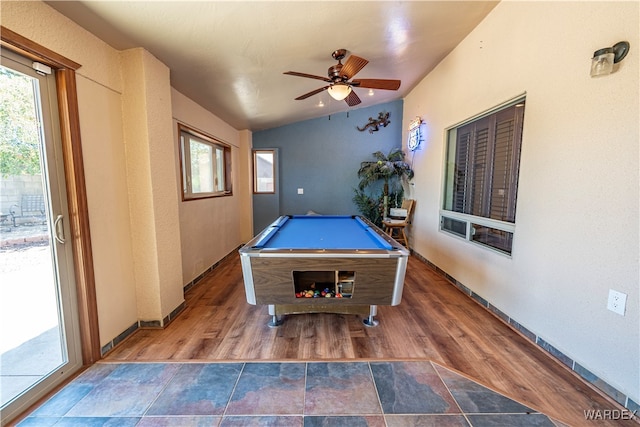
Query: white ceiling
x: 229, y: 56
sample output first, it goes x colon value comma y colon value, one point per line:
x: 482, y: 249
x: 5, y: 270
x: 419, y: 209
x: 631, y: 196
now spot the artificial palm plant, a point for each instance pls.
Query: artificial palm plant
x: 391, y: 169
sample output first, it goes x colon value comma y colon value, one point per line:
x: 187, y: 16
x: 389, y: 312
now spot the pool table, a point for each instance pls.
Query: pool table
x: 323, y: 264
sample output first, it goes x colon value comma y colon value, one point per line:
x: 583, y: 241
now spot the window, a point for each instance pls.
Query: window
x: 206, y: 165
x: 263, y: 171
x: 481, y: 183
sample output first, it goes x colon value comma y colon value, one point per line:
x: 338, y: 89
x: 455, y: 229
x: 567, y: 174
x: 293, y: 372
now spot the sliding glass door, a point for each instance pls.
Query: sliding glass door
x: 39, y: 336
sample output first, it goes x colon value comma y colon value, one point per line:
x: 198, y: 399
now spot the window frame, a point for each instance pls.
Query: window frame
x: 188, y: 133
x: 255, y: 153
x: 455, y: 219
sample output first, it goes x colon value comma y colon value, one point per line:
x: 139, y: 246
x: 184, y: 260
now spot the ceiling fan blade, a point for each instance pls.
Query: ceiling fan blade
x: 352, y: 99
x: 377, y: 84
x: 313, y: 92
x: 309, y: 76
x: 352, y: 66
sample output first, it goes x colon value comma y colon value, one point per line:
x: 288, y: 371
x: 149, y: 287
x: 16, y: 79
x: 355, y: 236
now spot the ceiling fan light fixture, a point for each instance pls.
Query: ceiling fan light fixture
x: 339, y: 91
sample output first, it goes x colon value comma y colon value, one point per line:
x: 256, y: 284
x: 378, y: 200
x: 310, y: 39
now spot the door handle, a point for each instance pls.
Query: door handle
x: 58, y: 230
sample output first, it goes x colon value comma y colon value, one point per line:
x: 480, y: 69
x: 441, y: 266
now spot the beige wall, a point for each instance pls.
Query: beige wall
x: 131, y: 171
x: 577, y: 214
x: 103, y: 149
x: 246, y: 187
x: 153, y: 194
x: 210, y: 228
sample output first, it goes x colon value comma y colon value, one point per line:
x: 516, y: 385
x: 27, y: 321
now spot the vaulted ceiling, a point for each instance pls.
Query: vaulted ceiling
x: 229, y: 56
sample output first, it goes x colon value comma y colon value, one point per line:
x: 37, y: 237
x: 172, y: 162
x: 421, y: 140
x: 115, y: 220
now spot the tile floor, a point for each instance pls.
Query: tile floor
x: 392, y: 394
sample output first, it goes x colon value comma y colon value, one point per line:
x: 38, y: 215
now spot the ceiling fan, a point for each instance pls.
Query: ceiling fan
x: 340, y: 86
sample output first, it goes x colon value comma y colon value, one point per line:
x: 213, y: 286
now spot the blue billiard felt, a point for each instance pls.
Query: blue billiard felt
x: 322, y: 232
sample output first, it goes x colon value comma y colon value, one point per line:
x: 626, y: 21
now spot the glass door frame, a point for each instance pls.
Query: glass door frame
x: 80, y: 236
x: 35, y: 311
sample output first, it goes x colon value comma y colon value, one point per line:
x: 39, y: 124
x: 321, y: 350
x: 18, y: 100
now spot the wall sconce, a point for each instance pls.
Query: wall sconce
x: 603, y: 59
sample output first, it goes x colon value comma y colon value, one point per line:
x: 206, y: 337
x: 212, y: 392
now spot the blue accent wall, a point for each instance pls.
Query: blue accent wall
x: 323, y: 156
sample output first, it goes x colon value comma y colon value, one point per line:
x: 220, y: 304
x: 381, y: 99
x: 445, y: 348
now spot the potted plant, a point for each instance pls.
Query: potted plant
x: 393, y: 171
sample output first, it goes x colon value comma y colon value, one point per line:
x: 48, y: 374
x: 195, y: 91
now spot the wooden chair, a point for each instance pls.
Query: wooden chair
x: 395, y: 227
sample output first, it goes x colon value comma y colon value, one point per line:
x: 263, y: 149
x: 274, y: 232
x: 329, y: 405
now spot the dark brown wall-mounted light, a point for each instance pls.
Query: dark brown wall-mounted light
x: 603, y: 59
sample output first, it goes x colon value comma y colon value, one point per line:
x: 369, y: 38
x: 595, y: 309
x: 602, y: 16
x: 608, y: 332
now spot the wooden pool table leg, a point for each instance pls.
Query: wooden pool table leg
x: 370, y: 321
x: 275, y: 322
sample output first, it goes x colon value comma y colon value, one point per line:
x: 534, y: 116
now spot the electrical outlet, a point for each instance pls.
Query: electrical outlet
x: 617, y: 302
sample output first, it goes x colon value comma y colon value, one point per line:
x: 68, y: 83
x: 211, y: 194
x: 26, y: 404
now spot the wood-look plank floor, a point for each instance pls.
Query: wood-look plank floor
x: 435, y: 321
